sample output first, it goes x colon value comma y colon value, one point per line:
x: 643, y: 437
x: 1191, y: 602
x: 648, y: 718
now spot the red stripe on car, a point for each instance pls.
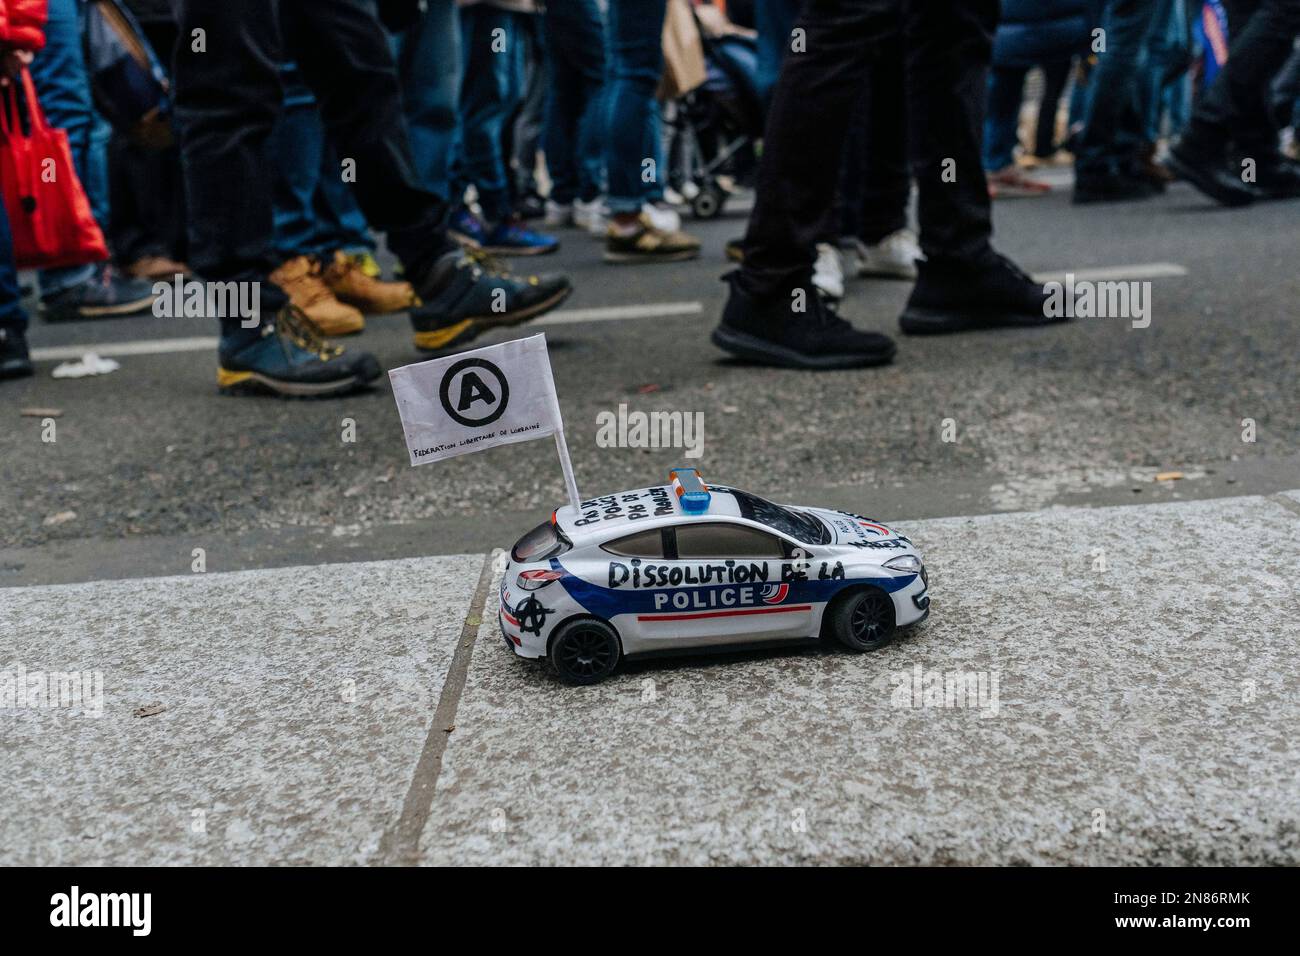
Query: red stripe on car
x: 735, y: 613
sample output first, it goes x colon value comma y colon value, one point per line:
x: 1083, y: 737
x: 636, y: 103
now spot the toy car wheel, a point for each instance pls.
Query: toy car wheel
x: 584, y: 651
x: 864, y: 620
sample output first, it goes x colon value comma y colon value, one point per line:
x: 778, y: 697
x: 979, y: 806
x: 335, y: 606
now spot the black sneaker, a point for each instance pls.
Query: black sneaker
x: 107, y: 294
x: 288, y: 357
x: 466, y: 293
x: 1208, y: 170
x: 1277, y: 177
x: 959, y: 296
x: 1111, y: 187
x: 771, y: 332
x: 15, y: 361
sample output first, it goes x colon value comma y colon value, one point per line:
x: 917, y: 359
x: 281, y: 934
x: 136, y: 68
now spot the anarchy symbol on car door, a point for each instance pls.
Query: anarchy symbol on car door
x: 474, y: 392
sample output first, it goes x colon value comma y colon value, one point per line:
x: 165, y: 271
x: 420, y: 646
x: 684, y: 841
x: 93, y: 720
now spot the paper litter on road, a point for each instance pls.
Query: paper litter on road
x: 90, y: 364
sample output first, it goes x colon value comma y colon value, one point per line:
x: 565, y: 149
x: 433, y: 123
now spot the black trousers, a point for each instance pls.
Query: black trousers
x: 875, y: 181
x: 228, y: 97
x: 947, y: 48
x: 146, y: 189
x: 1237, y: 107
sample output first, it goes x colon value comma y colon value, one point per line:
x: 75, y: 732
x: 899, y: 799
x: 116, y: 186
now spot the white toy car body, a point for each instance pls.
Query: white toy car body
x: 684, y: 566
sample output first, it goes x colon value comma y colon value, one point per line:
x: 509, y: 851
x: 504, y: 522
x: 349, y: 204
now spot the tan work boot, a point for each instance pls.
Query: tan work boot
x: 302, y: 280
x: 349, y: 283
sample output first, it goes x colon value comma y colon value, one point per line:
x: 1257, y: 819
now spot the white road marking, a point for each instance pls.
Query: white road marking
x: 1136, y: 270
x: 61, y: 353
x: 616, y: 313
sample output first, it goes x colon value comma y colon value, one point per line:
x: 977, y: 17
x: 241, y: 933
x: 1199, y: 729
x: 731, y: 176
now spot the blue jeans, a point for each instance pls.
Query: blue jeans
x: 1113, y: 125
x: 1166, y: 43
x: 634, y: 151
x: 491, y: 89
x: 775, y: 21
x: 12, y: 315
x: 1002, y: 119
x: 575, y: 155
x: 429, y: 68
x: 314, y: 211
x: 63, y: 87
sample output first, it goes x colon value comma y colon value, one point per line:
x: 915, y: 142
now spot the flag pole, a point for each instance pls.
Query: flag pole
x: 567, y: 467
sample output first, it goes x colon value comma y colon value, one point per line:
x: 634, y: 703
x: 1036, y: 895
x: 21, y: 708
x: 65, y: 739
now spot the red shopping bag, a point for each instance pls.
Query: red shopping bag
x: 49, y: 213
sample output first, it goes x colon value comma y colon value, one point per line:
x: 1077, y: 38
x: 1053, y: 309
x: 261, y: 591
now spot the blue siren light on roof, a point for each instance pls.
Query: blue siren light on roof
x: 691, y: 490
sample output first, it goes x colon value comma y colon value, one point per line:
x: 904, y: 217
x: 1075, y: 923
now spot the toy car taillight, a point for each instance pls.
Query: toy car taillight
x: 532, y: 580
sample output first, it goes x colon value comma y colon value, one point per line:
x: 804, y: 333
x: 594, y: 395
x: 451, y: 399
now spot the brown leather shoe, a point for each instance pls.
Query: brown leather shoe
x: 156, y: 267
x: 350, y: 284
x: 302, y: 279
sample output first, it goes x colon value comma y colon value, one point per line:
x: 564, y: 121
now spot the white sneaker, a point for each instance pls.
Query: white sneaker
x: 592, y: 216
x: 664, y: 217
x: 558, y: 214
x: 894, y: 256
x: 828, y: 271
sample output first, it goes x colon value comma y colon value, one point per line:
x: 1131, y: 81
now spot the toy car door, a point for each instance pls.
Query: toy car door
x: 722, y: 585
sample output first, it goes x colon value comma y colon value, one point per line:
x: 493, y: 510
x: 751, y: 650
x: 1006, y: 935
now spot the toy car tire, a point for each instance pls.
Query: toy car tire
x: 863, y: 619
x: 584, y: 651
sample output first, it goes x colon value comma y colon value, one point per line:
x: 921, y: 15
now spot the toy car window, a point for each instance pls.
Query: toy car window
x: 642, y: 544
x: 796, y: 524
x: 543, y: 542
x: 720, y: 540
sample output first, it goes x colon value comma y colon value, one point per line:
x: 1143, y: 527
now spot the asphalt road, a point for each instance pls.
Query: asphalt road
x: 154, y: 463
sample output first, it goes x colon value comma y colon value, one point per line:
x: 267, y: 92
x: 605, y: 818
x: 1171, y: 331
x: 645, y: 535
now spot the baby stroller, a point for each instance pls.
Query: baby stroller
x: 711, y: 131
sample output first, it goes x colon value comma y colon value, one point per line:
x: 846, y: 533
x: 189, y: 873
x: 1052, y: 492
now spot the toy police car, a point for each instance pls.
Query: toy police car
x: 686, y: 565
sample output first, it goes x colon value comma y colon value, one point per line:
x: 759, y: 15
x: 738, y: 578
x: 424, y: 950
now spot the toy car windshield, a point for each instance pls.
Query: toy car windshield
x: 804, y: 527
x: 543, y: 542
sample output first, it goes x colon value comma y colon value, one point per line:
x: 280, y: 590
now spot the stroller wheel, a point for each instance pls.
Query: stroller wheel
x: 707, y: 203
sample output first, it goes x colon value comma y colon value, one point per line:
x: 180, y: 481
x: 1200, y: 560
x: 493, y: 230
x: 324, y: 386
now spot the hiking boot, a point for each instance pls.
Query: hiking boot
x: 286, y: 356
x: 303, y: 279
x: 352, y: 286
x: 466, y: 293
